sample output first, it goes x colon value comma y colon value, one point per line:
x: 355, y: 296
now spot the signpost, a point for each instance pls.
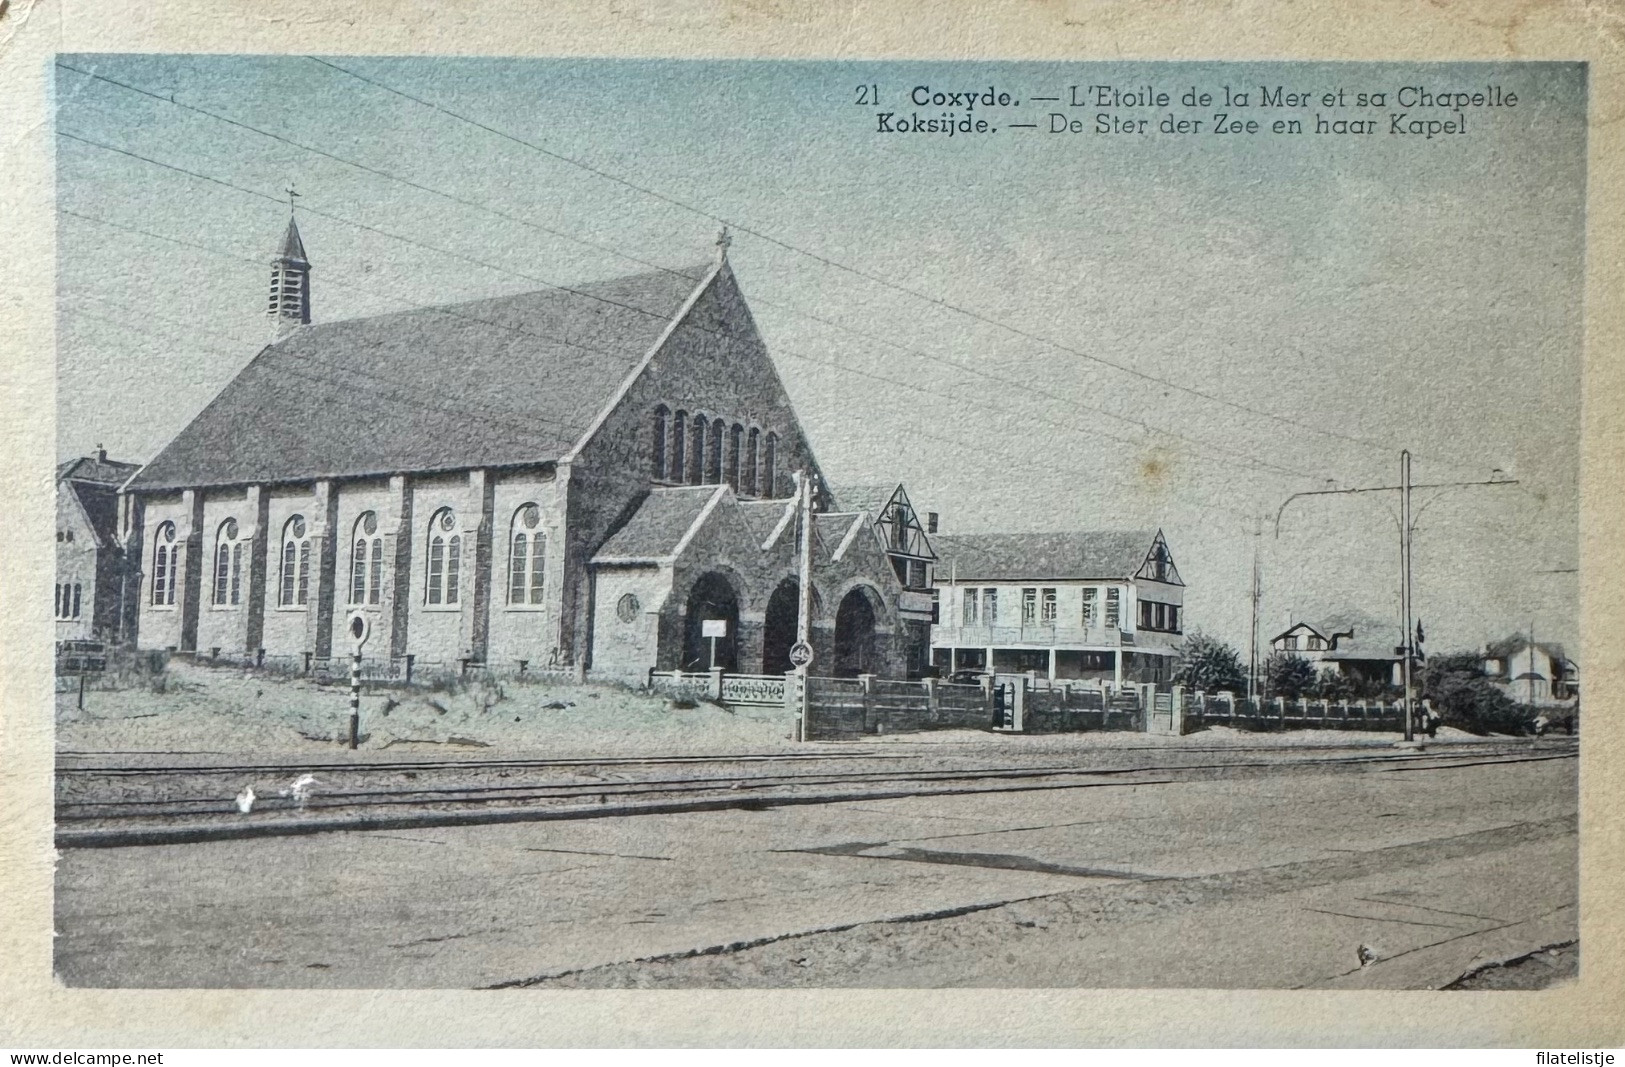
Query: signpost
x: 714, y: 628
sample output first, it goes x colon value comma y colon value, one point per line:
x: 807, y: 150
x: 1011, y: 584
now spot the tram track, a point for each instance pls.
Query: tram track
x: 122, y: 805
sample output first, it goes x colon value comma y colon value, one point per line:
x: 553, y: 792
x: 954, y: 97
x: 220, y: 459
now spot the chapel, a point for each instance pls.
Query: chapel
x: 582, y: 475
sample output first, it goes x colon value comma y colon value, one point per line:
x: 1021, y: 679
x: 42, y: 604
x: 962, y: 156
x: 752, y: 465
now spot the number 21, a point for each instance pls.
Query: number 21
x: 868, y: 96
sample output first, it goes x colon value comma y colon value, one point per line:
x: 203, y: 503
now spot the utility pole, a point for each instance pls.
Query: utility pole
x: 1405, y: 584
x: 1252, y: 643
x: 801, y: 653
x: 1406, y: 526
x: 804, y: 563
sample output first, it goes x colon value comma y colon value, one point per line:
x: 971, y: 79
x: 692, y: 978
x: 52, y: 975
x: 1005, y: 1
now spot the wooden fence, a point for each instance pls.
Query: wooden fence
x: 853, y: 707
x: 1281, y: 713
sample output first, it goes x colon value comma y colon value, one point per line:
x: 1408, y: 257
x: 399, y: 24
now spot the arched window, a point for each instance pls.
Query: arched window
x: 770, y: 460
x: 662, y: 415
x: 696, y: 451
x: 527, y: 557
x: 679, y: 450
x: 165, y: 558
x: 228, y: 563
x: 366, y: 560
x: 713, y: 466
x: 736, y: 437
x: 752, y: 442
x: 445, y: 558
x: 295, y: 584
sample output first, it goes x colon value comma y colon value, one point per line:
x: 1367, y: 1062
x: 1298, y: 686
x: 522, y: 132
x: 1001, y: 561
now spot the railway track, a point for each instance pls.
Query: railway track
x: 107, y: 804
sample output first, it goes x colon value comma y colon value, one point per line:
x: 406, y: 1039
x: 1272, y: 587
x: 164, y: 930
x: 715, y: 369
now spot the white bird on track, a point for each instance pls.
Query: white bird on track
x: 245, y: 800
x: 300, y: 789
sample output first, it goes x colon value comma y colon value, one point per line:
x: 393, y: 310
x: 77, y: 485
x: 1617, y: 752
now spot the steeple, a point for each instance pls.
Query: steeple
x: 289, y: 306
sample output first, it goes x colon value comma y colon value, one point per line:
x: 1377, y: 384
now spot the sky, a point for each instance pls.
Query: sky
x: 1031, y: 330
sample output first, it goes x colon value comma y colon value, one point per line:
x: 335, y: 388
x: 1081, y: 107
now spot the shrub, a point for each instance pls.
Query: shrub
x: 1332, y: 684
x: 1287, y: 675
x: 1468, y: 701
x: 1208, y: 664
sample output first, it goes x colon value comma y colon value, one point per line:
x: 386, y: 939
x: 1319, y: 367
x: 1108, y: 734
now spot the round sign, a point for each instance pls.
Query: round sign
x: 800, y: 654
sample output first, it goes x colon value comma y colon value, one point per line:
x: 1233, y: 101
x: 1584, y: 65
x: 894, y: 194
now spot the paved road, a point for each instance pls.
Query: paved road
x: 1264, y: 882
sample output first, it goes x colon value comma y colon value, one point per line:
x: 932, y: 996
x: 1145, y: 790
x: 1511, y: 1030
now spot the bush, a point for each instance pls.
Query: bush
x: 1286, y: 675
x: 1332, y: 684
x: 1208, y: 664
x: 1468, y: 701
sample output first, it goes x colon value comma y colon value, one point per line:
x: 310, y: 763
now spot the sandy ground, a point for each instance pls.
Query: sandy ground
x: 229, y: 710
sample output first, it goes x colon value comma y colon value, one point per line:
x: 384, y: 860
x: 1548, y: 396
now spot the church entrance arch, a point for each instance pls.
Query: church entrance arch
x: 712, y: 599
x: 855, y: 651
x: 779, y: 627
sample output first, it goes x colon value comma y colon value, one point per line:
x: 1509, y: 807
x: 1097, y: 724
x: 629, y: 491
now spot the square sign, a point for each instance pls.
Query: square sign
x: 714, y: 628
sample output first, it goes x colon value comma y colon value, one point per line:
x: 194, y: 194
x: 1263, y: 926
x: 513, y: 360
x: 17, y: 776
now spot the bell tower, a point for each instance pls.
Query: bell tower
x: 289, y: 305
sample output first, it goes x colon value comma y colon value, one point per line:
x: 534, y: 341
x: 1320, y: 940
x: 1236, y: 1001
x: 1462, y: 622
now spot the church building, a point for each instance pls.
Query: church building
x: 576, y: 476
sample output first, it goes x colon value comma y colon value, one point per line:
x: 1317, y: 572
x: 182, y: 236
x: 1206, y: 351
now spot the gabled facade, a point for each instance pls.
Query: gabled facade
x: 701, y: 554
x: 1103, y: 605
x: 1356, y: 645
x: 91, y: 583
x: 1535, y: 673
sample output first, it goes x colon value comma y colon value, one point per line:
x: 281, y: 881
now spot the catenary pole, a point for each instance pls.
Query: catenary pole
x: 1406, y: 523
x: 804, y: 561
x: 1252, y: 643
x: 1405, y: 585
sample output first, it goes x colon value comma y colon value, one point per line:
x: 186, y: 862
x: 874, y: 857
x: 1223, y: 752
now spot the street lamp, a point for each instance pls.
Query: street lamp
x: 1407, y: 527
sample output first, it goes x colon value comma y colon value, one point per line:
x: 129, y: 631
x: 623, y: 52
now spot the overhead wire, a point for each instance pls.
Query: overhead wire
x: 1071, y: 402
x: 663, y: 316
x: 868, y: 276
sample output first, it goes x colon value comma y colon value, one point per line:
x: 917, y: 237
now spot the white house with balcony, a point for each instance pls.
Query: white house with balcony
x: 1106, y: 605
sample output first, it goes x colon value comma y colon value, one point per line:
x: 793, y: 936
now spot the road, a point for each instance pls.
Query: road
x: 1270, y: 880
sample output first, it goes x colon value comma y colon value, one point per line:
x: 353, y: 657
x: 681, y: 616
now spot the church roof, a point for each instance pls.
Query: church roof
x: 1011, y: 557
x: 660, y: 524
x: 292, y: 247
x: 97, y: 469
x: 507, y: 381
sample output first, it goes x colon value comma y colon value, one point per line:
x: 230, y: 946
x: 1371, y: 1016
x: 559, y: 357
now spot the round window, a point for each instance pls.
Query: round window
x: 530, y: 515
x: 166, y: 532
x: 447, y: 519
x: 299, y: 526
x: 231, y: 529
x: 369, y: 523
x: 626, y: 608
